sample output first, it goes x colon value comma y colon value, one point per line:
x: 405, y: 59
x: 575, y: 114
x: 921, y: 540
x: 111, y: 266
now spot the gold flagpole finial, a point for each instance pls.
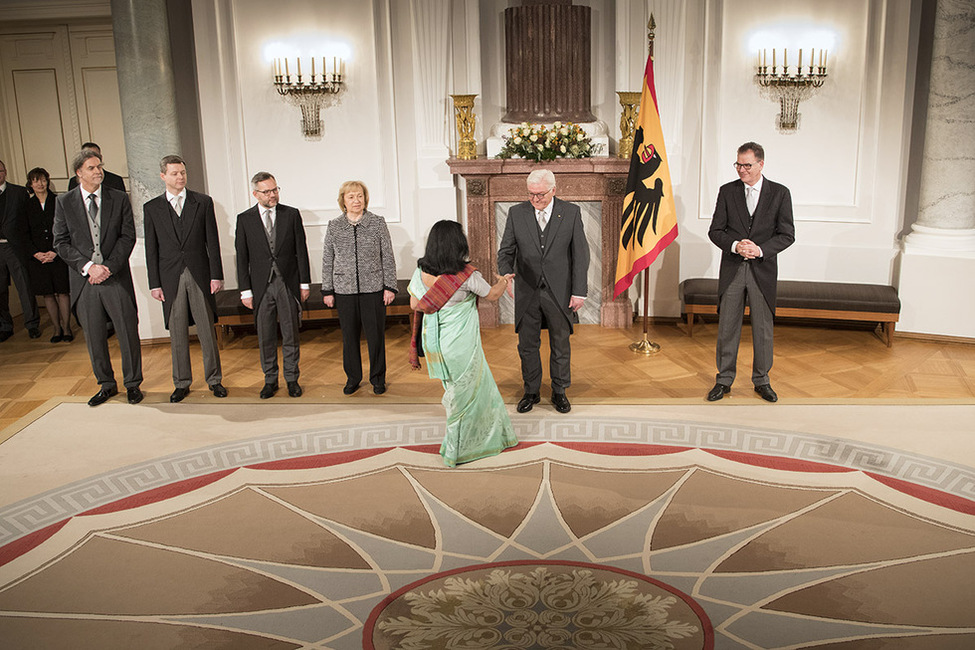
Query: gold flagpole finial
x: 651, y: 29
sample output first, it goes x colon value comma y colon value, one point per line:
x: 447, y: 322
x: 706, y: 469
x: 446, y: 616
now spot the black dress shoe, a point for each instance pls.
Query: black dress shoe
x: 67, y: 337
x: 350, y: 388
x: 766, y: 392
x: 294, y: 389
x: 269, y: 390
x: 134, y: 395
x: 57, y: 338
x: 218, y: 390
x: 34, y: 332
x: 179, y: 394
x: 379, y: 389
x: 719, y: 391
x: 102, y: 396
x: 561, y: 402
x: 5, y: 335
x: 528, y: 400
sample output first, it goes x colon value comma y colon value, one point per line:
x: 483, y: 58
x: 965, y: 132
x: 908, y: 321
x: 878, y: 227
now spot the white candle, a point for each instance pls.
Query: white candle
x: 773, y: 60
x: 299, y: 65
x: 785, y: 60
x: 800, y: 60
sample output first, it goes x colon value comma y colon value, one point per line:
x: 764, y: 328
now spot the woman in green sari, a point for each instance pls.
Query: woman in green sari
x: 443, y: 293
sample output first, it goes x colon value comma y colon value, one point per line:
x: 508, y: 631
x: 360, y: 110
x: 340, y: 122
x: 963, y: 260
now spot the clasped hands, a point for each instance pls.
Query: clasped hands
x: 45, y: 258
x: 98, y: 273
x: 574, y: 302
x: 748, y: 249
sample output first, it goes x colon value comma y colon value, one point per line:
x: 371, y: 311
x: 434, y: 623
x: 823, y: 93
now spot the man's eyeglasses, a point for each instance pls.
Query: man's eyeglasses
x: 539, y: 195
x: 745, y: 166
x: 273, y: 190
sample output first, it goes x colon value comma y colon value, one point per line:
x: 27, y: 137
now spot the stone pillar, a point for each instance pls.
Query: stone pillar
x: 547, y: 62
x: 946, y: 210
x: 939, y: 253
x: 147, y: 91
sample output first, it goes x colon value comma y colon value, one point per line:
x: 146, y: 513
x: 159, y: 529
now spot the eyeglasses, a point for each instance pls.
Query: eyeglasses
x: 745, y: 166
x: 539, y: 195
x: 273, y: 190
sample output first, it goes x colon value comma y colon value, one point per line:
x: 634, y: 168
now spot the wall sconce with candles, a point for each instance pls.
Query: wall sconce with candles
x: 789, y: 88
x: 312, y: 92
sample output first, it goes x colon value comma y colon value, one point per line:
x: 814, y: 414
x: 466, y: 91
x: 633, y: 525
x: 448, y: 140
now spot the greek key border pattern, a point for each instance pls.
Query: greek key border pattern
x: 43, y: 510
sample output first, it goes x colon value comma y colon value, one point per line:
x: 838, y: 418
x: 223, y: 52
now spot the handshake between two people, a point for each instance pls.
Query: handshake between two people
x: 574, y: 302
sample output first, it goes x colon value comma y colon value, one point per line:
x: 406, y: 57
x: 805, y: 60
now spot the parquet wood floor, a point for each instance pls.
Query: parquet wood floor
x: 810, y: 362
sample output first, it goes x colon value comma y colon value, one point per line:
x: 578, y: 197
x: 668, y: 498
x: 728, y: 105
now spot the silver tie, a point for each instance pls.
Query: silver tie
x: 96, y: 236
x: 751, y: 199
x: 93, y: 209
x: 541, y: 219
x: 179, y: 206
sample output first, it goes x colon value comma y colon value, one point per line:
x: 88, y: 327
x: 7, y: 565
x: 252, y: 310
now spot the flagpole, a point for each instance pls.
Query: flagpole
x: 646, y: 346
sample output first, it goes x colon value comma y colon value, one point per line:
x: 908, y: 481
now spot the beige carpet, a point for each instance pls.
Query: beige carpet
x: 334, y: 525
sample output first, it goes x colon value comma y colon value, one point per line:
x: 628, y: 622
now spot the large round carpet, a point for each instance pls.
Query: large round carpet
x: 598, y: 531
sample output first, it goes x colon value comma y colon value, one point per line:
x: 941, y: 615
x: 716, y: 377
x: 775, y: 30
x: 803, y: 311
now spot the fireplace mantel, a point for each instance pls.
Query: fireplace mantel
x: 489, y: 180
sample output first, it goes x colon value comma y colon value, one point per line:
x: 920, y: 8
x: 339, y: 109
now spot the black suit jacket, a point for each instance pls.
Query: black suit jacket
x: 72, y: 237
x: 772, y: 228
x: 40, y: 224
x: 13, y: 224
x: 563, y: 266
x: 254, y: 254
x: 110, y: 179
x: 174, y: 243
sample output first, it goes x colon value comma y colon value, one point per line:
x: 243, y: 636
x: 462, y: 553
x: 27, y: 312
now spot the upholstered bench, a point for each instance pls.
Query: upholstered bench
x: 231, y: 312
x: 876, y: 303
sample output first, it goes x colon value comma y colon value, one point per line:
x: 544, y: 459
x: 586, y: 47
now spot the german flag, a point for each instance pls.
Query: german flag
x: 649, y: 216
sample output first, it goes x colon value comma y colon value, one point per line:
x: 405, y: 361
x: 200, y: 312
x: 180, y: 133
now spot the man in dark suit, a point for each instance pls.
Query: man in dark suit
x: 13, y: 261
x: 544, y: 249
x: 274, y: 278
x: 111, y: 180
x: 94, y: 233
x: 752, y: 224
x: 185, y: 273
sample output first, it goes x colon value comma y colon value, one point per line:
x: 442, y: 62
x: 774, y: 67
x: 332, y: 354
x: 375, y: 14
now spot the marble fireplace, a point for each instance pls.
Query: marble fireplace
x: 597, y: 184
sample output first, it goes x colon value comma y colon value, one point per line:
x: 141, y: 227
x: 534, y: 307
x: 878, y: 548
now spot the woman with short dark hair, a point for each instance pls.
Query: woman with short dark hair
x: 443, y: 294
x: 48, y: 272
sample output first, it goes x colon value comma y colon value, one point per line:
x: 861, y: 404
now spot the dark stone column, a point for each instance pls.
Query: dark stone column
x: 547, y: 62
x: 147, y: 91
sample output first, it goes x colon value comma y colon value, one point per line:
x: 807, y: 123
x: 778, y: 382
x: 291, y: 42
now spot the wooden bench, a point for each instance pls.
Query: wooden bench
x: 231, y: 312
x: 876, y: 303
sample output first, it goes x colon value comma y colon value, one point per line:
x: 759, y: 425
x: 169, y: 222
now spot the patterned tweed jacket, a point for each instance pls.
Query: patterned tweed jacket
x: 358, y: 258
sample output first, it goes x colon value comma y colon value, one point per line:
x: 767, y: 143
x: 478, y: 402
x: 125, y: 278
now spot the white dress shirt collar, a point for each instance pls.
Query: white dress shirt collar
x: 85, y: 194
x: 547, y: 211
x: 757, y: 186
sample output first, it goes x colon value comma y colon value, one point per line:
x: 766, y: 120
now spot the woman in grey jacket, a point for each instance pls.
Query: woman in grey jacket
x: 359, y: 279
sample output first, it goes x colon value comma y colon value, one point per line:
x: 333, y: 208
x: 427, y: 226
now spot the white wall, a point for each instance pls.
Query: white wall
x: 394, y: 126
x: 844, y: 165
